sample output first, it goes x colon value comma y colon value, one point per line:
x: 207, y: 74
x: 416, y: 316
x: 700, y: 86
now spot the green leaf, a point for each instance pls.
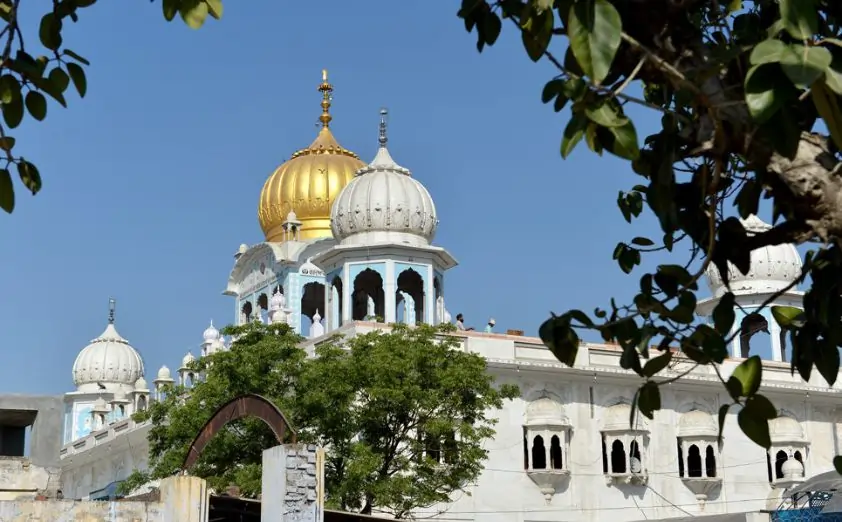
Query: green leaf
x: 170, y: 8
x: 606, y: 114
x: 764, y: 95
x: 649, y: 399
x: 833, y: 76
x: 800, y: 18
x: 78, y: 58
x: 492, y: 26
x: 755, y: 428
x: 654, y: 366
x: 551, y: 90
x: 50, y: 31
x: 7, y: 192
x: 723, y: 415
x: 789, y: 317
x: 194, y: 13
x: 215, y: 8
x: 642, y: 241
x: 7, y: 143
x: 77, y: 74
x: 59, y: 79
x: 624, y: 143
x: 13, y: 112
x: 594, y: 28
x: 724, y: 315
x: 768, y: 51
x: 804, y: 65
x: 749, y: 374
x: 30, y: 176
x: 560, y: 338
x: 573, y: 134
x: 827, y: 360
x: 536, y: 33
x: 761, y: 407
x: 9, y: 89
x: 36, y: 104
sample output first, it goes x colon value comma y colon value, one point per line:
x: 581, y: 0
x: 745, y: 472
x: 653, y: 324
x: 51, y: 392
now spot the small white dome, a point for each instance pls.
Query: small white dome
x: 616, y: 418
x: 384, y: 203
x: 784, y: 429
x: 119, y: 396
x: 100, y: 406
x: 164, y: 374
x: 545, y: 411
x: 773, y: 268
x: 697, y: 423
x: 108, y: 360
x: 317, y: 317
x: 277, y: 302
x: 211, y: 333
x: 792, y: 469
x: 187, y: 359
x: 141, y: 385
x: 291, y: 217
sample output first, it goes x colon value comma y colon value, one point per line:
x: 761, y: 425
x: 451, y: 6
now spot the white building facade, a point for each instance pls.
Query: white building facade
x: 349, y: 248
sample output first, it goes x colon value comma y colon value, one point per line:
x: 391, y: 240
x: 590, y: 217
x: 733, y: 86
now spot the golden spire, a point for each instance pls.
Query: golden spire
x: 326, y: 89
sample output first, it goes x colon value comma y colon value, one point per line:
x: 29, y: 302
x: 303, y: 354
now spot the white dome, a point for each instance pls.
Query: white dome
x: 697, y: 423
x: 791, y: 468
x: 164, y: 374
x: 773, y: 268
x: 108, y: 360
x: 100, y: 406
x: 141, y: 385
x: 119, y: 396
x: 545, y: 411
x: 384, y: 203
x: 187, y: 359
x: 277, y: 302
x: 211, y: 333
x: 784, y: 429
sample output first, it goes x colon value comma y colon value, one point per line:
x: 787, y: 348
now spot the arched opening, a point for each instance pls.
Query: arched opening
x: 754, y: 337
x: 245, y: 312
x: 694, y: 461
x: 780, y: 458
x: 710, y: 462
x: 618, y: 457
x: 769, y: 466
x: 336, y: 305
x: 539, y: 453
x: 263, y: 308
x: 439, y: 300
x: 411, y: 291
x: 367, y: 300
x: 635, y: 464
x: 680, y: 460
x: 188, y: 380
x: 312, y: 301
x: 786, y: 354
x: 525, y: 450
x: 141, y: 403
x: 555, y: 452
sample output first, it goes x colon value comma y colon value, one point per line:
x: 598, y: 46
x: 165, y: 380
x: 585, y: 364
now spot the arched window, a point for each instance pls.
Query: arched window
x: 367, y: 296
x: 539, y: 453
x: 555, y: 452
x: 680, y: 460
x: 618, y: 457
x: 754, y: 325
x: 780, y: 458
x: 694, y: 461
x: 141, y: 403
x: 411, y: 284
x: 710, y: 462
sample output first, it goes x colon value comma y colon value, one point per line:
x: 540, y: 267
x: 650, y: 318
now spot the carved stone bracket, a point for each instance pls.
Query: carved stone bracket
x: 549, y: 481
x: 634, y: 479
x: 702, y: 487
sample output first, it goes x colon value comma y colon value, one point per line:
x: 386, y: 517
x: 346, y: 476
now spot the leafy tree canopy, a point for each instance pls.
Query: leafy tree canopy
x: 748, y: 95
x: 29, y: 77
x: 403, y: 414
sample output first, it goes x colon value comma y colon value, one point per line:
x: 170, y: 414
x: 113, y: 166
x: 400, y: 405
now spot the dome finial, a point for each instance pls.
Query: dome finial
x: 326, y: 89
x: 383, y: 113
x: 112, y: 305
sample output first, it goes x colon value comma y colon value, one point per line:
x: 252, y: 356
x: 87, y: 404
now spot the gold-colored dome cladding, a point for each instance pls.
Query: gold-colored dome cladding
x: 308, y: 182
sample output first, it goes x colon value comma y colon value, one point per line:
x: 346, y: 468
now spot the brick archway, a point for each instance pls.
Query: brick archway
x: 250, y: 405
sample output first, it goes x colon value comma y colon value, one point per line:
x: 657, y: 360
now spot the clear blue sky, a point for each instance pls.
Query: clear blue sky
x: 152, y: 181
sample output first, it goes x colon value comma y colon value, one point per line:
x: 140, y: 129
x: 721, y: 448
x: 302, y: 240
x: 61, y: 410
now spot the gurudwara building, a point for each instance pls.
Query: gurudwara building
x: 349, y: 248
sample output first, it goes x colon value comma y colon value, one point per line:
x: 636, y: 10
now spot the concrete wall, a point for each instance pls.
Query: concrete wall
x: 45, y: 438
x: 293, y: 484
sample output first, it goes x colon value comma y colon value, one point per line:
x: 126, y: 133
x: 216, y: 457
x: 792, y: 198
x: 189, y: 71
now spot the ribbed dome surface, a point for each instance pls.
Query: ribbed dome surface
x: 110, y: 360
x: 773, y: 268
x: 383, y: 203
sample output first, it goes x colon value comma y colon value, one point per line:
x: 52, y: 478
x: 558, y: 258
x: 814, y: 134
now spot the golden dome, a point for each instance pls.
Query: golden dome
x: 308, y: 182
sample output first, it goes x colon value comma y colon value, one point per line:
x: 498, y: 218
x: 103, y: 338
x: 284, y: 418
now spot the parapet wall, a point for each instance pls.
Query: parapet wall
x: 76, y: 510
